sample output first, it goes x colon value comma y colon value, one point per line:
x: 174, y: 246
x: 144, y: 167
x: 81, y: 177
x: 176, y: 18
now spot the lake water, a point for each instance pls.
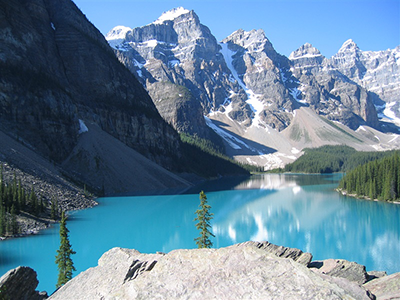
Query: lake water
x: 301, y: 211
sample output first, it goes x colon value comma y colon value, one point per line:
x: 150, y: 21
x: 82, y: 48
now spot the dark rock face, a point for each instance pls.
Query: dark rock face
x: 20, y: 284
x: 179, y: 108
x: 51, y: 77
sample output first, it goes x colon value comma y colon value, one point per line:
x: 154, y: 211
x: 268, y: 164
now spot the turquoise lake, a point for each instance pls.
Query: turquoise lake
x: 301, y: 211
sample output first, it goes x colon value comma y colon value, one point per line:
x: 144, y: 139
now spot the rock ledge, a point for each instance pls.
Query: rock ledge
x: 249, y: 270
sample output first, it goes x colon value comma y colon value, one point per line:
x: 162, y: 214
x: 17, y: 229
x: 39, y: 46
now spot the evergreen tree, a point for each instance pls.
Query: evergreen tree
x: 377, y: 179
x: 63, y: 257
x: 2, y: 220
x: 34, y: 202
x: 2, y: 185
x: 203, y: 217
x: 13, y: 221
x: 54, y: 214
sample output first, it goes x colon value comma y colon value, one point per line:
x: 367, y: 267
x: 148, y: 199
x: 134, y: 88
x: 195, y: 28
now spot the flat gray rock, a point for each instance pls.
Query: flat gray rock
x: 341, y: 268
x: 236, y: 272
x: 386, y: 287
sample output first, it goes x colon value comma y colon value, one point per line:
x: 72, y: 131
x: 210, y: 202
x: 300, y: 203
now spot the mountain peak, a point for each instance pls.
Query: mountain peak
x: 254, y: 40
x: 307, y: 50
x: 349, y: 45
x: 118, y: 32
x: 171, y: 15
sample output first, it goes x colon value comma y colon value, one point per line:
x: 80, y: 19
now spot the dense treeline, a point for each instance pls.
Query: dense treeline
x: 329, y: 159
x: 14, y: 200
x: 378, y: 179
x: 207, y: 158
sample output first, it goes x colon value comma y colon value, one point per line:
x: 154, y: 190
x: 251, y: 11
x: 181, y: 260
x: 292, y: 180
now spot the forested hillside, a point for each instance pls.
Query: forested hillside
x: 378, y: 179
x: 15, y: 200
x: 329, y: 159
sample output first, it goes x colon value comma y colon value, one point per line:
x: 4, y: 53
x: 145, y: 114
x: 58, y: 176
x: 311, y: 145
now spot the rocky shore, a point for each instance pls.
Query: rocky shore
x: 50, y: 186
x: 251, y: 270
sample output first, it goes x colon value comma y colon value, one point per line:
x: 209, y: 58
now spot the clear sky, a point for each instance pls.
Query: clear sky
x: 288, y: 24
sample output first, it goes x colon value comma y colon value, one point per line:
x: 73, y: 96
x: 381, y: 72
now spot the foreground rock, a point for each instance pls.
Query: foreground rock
x: 20, y: 283
x: 386, y: 287
x: 341, y: 268
x: 247, y: 270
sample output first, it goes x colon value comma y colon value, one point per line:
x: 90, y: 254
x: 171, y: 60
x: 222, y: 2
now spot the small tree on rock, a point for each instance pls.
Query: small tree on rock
x: 63, y: 257
x: 204, y: 217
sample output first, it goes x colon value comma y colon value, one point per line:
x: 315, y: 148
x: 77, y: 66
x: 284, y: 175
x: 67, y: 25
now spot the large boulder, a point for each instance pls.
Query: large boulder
x: 341, y: 268
x: 236, y: 272
x: 20, y: 284
x: 386, y: 287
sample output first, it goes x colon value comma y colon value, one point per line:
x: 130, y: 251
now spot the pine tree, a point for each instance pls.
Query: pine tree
x: 203, y: 217
x: 13, y: 221
x: 3, y: 220
x: 63, y: 257
x: 54, y: 214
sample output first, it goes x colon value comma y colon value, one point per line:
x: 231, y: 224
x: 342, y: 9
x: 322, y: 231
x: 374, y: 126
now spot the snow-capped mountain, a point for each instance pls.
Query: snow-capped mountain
x: 376, y: 71
x: 254, y: 96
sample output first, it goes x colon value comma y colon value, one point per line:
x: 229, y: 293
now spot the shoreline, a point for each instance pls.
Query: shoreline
x: 50, y: 187
x: 362, y: 197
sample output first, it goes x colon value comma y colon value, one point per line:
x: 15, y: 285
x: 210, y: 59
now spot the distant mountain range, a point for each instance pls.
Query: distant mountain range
x: 265, y: 106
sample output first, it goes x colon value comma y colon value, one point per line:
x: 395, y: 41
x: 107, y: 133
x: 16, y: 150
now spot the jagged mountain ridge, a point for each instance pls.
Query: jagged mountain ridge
x: 245, y: 86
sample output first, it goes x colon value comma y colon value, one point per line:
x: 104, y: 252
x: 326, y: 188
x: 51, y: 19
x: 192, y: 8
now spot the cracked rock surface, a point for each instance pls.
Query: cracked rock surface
x: 242, y: 271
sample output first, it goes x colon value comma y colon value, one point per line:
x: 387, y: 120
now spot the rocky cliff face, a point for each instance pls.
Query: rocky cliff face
x: 250, y: 270
x: 177, y: 48
x: 259, y: 69
x: 329, y: 92
x: 376, y: 71
x: 250, y: 81
x: 51, y: 78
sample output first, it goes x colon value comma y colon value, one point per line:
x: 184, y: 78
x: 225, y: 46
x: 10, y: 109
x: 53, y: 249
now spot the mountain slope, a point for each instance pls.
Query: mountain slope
x: 52, y: 84
x: 57, y: 58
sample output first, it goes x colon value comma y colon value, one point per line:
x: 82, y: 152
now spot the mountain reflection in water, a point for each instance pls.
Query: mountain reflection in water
x: 292, y: 210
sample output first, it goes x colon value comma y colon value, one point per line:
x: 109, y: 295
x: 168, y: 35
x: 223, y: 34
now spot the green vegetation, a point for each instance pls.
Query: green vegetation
x: 204, y: 158
x: 378, y: 179
x: 214, y: 147
x: 63, y: 258
x: 329, y: 159
x: 203, y: 217
x: 14, y: 200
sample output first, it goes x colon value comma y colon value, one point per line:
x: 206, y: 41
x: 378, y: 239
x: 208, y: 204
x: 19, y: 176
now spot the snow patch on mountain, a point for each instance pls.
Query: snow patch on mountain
x: 232, y: 141
x: 348, y: 45
x: 171, y: 15
x: 82, y: 127
x: 391, y: 114
x: 116, y: 36
x: 253, y: 99
x: 296, y: 94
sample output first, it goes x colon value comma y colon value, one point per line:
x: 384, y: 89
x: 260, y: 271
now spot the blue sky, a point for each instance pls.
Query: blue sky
x: 288, y: 24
